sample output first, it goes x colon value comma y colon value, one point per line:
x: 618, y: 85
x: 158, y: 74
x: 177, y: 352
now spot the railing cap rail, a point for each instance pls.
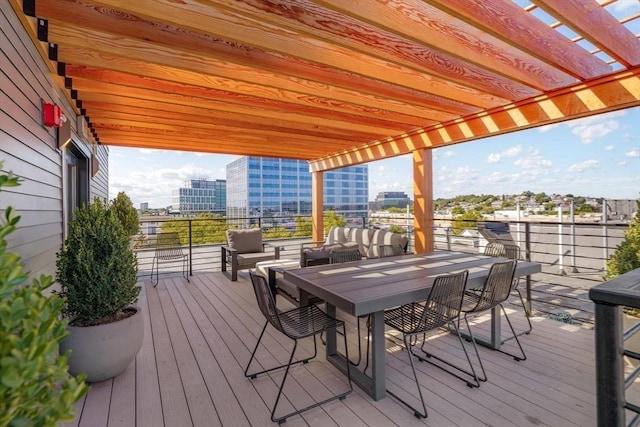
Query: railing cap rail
x: 623, y: 290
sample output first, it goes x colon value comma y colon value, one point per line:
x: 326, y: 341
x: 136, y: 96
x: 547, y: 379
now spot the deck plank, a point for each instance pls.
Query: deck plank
x: 148, y: 402
x: 199, y: 337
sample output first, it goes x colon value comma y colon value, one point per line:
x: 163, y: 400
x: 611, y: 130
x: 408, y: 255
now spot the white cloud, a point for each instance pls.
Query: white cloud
x: 493, y: 158
x: 609, y: 148
x: 622, y: 163
x: 632, y: 154
x: 591, y: 128
x: 448, y: 154
x: 547, y: 128
x: 512, y: 151
x: 582, y: 166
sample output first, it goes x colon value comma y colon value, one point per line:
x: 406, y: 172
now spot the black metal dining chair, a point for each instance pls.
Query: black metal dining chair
x: 504, y: 250
x: 414, y: 320
x: 351, y: 255
x: 494, y: 293
x: 298, y: 323
x: 168, y: 249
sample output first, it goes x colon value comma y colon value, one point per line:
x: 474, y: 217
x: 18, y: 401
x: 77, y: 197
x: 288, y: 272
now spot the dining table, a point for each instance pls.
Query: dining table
x: 370, y: 286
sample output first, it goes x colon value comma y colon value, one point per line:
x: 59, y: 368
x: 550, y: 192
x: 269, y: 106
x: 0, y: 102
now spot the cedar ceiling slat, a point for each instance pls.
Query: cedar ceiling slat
x: 505, y: 20
x: 106, y: 90
x: 211, y: 130
x: 234, y: 78
x: 342, y: 30
x: 223, y: 97
x: 196, y: 115
x: 245, y: 55
x: 334, y: 82
x: 602, y: 95
x: 431, y: 27
x: 209, y: 19
x: 249, y: 145
x: 594, y: 23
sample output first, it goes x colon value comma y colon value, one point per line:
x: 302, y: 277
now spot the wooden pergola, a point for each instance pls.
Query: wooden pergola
x: 333, y: 82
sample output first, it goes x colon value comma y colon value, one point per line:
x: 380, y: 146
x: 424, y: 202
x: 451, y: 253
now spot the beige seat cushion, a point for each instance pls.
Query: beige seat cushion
x: 246, y: 240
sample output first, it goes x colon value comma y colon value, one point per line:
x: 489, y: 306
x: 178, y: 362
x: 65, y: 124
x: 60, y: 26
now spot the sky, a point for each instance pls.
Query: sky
x: 593, y: 157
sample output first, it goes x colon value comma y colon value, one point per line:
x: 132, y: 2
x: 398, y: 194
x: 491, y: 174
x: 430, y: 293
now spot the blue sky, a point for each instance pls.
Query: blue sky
x: 596, y: 156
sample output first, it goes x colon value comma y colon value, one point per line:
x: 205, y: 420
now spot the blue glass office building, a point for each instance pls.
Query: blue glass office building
x: 260, y: 186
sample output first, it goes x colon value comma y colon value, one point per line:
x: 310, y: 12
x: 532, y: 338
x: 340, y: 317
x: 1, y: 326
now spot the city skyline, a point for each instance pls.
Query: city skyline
x: 594, y: 157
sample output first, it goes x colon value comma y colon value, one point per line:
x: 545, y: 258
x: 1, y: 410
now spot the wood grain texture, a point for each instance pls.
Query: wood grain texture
x: 377, y: 78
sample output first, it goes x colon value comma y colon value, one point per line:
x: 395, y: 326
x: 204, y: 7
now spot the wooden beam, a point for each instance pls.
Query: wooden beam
x: 594, y: 23
x: 506, y: 21
x: 613, y: 92
x: 317, y: 206
x: 200, y: 69
x: 213, y: 20
x: 440, y: 42
x: 179, y: 37
x: 423, y: 200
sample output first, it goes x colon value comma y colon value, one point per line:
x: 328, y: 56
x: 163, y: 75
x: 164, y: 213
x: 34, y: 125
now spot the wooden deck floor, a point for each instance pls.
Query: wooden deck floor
x: 199, y: 336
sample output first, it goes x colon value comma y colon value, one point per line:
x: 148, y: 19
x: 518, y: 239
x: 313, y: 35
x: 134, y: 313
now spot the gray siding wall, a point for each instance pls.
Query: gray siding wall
x: 29, y: 149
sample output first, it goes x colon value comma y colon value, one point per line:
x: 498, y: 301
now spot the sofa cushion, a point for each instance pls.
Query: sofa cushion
x: 381, y: 237
x: 249, y: 259
x: 246, y: 240
x: 337, y: 235
x: 362, y: 237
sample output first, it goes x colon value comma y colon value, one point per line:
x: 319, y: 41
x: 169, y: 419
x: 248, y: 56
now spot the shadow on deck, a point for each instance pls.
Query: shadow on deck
x: 199, y: 336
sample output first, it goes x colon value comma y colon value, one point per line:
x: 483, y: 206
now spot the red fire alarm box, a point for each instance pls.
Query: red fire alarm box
x: 51, y: 115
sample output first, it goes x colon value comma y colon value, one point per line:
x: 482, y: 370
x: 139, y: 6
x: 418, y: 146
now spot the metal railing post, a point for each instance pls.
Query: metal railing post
x: 610, y: 398
x: 190, y: 249
x: 527, y: 257
x: 560, y: 248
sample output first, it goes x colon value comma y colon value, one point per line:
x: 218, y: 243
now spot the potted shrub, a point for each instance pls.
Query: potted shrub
x: 97, y: 274
x: 35, y: 387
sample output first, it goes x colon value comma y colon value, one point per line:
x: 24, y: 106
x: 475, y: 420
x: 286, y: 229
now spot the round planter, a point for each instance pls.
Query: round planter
x: 104, y: 351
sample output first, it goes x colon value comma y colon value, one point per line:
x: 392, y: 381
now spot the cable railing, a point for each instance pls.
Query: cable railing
x: 574, y: 249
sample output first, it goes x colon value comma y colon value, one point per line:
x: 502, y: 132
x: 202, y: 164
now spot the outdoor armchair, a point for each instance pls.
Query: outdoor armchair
x: 244, y: 249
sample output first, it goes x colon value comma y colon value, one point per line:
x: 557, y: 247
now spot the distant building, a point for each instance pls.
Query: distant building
x: 144, y: 207
x: 390, y: 199
x: 200, y: 195
x: 258, y: 186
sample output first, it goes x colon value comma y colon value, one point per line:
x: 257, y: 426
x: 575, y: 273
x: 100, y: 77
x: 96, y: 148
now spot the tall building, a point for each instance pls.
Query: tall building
x: 144, y: 206
x: 259, y: 186
x: 200, y: 195
x: 390, y: 199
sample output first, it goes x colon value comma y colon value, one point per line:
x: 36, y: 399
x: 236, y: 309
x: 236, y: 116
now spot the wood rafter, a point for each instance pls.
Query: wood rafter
x: 330, y: 81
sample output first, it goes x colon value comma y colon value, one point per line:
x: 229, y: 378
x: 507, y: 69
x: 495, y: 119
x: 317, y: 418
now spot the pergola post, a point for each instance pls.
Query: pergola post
x: 317, y: 206
x: 423, y: 200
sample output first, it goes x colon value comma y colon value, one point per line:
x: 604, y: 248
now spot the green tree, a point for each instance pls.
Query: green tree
x: 278, y: 232
x: 332, y: 218
x: 397, y: 229
x: 627, y: 255
x: 465, y: 220
x: 303, y: 227
x: 458, y: 210
x: 123, y: 209
x: 35, y: 387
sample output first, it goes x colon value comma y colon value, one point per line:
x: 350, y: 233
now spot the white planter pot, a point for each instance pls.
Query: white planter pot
x: 104, y: 351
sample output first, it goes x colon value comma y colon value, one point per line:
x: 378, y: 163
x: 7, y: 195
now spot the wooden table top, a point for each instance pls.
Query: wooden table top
x: 371, y: 285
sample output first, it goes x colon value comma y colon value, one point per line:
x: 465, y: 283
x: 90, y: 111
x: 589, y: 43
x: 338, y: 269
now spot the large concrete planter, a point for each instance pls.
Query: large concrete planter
x: 104, y: 351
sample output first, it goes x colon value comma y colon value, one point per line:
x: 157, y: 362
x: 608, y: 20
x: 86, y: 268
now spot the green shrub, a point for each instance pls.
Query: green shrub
x: 96, y: 267
x: 627, y: 255
x: 397, y: 229
x: 124, y: 210
x: 35, y: 388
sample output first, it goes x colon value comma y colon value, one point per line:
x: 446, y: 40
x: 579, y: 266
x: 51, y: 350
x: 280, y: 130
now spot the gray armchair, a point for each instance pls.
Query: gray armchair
x: 244, y: 249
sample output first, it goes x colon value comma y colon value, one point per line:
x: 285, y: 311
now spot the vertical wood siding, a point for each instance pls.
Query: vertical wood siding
x: 29, y: 149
